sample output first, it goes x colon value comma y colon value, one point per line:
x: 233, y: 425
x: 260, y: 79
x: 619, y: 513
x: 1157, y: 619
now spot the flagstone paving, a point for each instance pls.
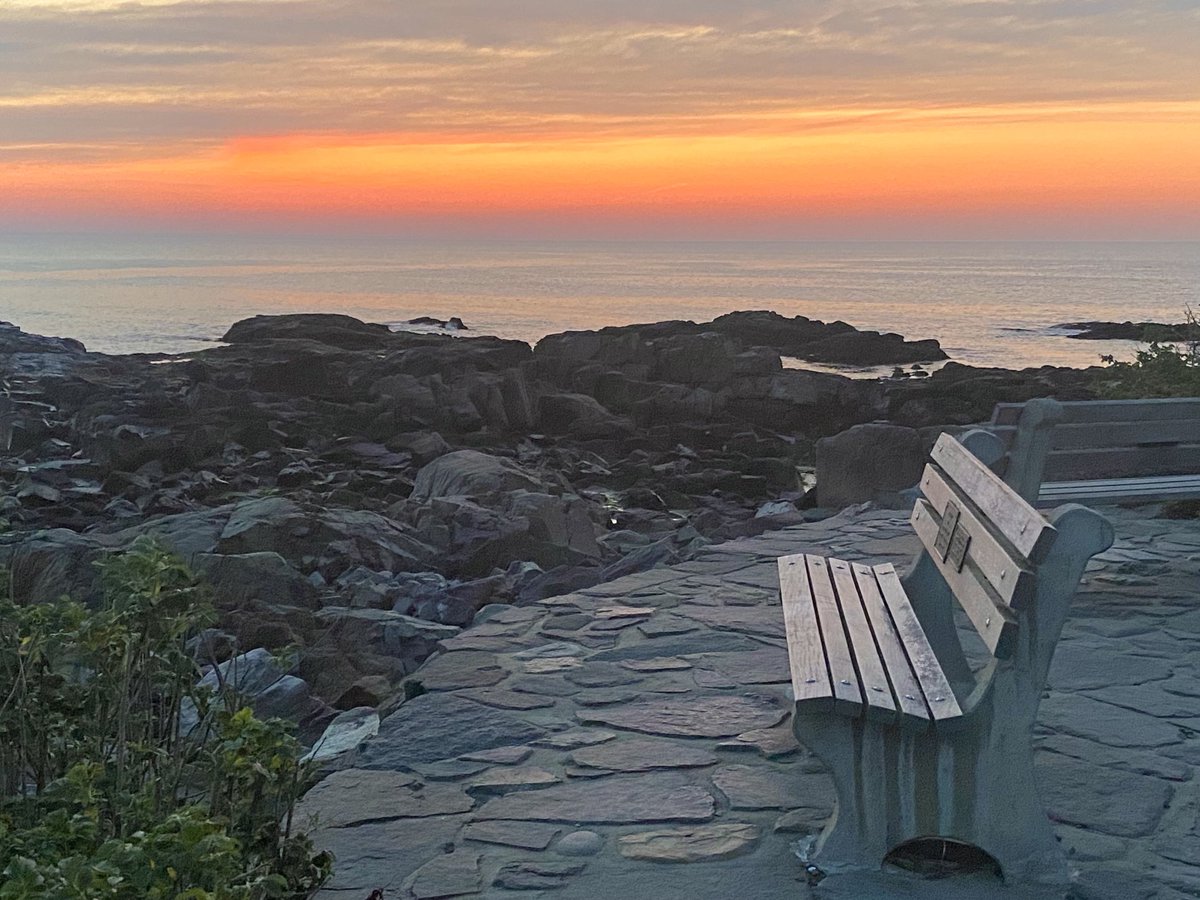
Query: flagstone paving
x: 633, y: 740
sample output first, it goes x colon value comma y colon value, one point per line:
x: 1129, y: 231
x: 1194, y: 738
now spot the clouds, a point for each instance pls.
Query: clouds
x: 101, y: 72
x: 762, y: 117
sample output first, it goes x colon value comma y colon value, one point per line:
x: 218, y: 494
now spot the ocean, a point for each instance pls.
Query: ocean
x: 988, y: 303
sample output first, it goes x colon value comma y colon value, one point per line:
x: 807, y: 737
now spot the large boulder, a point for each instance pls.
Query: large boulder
x: 704, y: 358
x: 868, y: 462
x: 257, y: 679
x: 469, y: 473
x: 326, y: 328
x: 870, y: 348
x: 241, y: 578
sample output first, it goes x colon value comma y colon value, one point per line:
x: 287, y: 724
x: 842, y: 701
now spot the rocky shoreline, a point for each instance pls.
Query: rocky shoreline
x: 359, y: 493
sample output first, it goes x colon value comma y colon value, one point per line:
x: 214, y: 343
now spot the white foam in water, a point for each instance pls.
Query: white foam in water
x: 988, y: 303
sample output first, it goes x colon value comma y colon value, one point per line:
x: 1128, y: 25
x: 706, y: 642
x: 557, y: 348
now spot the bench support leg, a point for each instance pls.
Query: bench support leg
x: 974, y: 785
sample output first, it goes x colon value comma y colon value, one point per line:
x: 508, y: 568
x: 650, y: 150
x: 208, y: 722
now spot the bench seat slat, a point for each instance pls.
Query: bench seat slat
x: 910, y: 698
x: 997, y: 560
x: 876, y: 688
x: 938, y: 693
x: 847, y: 694
x: 810, y: 669
x: 1020, y: 524
x: 995, y: 622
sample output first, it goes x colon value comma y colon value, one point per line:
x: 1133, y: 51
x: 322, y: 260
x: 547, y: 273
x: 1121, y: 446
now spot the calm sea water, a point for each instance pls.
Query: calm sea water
x: 988, y: 303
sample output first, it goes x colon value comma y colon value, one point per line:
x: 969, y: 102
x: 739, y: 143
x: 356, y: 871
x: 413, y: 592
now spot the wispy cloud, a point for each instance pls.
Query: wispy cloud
x: 93, y: 71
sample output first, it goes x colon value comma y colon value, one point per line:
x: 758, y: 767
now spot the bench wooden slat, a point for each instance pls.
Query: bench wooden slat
x: 1120, y: 490
x: 1122, y: 462
x: 876, y: 689
x: 1089, y: 435
x: 1080, y: 411
x: 995, y: 622
x: 910, y: 698
x: 996, y: 559
x: 1141, y: 410
x: 1166, y: 483
x: 1021, y: 524
x: 810, y: 671
x: 847, y: 695
x: 938, y: 694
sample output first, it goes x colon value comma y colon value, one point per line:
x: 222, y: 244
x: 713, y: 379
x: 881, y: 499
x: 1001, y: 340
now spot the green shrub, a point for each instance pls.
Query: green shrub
x: 1161, y: 369
x: 102, y: 796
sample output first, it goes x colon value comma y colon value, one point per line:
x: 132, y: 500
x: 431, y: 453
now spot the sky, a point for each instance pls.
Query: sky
x: 930, y: 119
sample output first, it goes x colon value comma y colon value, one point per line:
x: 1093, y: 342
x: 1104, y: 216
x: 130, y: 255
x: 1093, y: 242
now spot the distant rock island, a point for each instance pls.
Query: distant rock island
x: 1129, y: 331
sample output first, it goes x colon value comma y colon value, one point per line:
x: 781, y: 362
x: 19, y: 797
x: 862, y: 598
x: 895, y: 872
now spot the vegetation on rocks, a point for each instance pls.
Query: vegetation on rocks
x: 1166, y: 367
x: 104, y: 795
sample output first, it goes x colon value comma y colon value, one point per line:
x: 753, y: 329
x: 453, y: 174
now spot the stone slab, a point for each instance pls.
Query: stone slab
x: 383, y: 853
x: 1084, y: 665
x: 1104, y: 723
x: 761, y: 620
x: 760, y: 787
x: 638, y: 755
x: 460, y: 669
x: 502, y: 699
x: 447, y: 875
x: 1099, y: 798
x: 687, y: 845
x: 692, y: 717
x: 511, y: 778
x: 356, y: 796
x: 442, y: 726
x: 523, y: 835
x: 618, y: 800
x: 680, y: 645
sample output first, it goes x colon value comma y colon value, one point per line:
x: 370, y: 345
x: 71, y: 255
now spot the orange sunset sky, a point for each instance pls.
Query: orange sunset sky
x: 577, y: 118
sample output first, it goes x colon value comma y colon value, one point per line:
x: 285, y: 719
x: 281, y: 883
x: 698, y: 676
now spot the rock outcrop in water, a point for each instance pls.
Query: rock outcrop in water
x: 1129, y: 331
x: 362, y: 493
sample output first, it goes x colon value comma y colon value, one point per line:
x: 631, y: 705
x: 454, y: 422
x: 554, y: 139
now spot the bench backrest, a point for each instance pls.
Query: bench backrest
x: 1087, y: 440
x: 984, y: 539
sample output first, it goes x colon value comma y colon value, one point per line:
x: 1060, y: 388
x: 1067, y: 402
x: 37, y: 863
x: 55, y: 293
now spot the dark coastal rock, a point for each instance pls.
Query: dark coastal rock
x: 961, y: 395
x: 834, y: 342
x: 870, y: 348
x: 1129, y: 331
x: 867, y: 462
x: 469, y: 473
x: 326, y: 328
x: 454, y: 323
x: 14, y: 340
x: 258, y: 680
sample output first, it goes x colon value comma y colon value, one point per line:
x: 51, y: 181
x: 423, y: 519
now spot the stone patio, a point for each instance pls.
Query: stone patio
x: 633, y: 740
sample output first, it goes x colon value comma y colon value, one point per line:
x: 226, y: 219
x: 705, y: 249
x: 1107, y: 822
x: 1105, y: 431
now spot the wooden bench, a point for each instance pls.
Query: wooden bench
x: 1100, y: 451
x: 920, y: 745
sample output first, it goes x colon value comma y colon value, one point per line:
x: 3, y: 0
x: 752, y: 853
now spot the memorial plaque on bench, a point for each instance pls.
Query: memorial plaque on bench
x: 946, y: 529
x: 960, y: 540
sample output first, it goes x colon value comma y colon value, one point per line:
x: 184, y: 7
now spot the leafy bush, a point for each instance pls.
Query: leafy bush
x: 101, y: 795
x: 1162, y: 369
